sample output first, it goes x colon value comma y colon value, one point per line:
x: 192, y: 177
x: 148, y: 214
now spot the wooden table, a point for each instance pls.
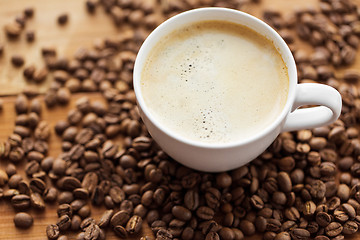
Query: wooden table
x: 81, y: 30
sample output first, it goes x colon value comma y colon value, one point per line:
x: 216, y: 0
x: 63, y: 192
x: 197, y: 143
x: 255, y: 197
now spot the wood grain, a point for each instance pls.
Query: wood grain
x: 81, y: 30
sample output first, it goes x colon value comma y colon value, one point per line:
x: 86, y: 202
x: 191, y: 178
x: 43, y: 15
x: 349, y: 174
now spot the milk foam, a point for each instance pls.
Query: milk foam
x: 215, y: 82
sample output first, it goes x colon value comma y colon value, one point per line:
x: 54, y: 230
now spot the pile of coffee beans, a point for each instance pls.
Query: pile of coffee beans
x: 305, y: 185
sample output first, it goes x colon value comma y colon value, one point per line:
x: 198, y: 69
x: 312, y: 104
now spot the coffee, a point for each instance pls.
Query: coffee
x: 215, y: 82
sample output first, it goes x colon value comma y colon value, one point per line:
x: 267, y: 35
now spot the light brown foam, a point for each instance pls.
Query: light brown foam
x: 215, y: 81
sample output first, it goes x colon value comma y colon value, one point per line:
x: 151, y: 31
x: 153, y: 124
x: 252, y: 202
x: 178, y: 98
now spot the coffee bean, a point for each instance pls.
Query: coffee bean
x: 63, y: 96
x: 92, y: 232
x: 323, y: 219
x: 50, y: 194
x: 349, y: 210
x: 37, y: 201
x: 333, y: 229
x: 282, y: 236
x: 134, y: 224
x: 24, y: 188
x: 298, y: 233
x: 181, y: 213
x: 117, y: 194
x: 164, y: 234
x: 37, y: 185
x: 62, y: 18
x: 20, y: 201
x: 105, y: 218
x: 120, y: 231
x: 87, y: 222
x: 65, y: 197
x: 17, y: 60
x: 23, y: 220
x: 30, y: 36
x: 85, y: 211
x: 13, y: 182
x: 284, y: 181
x: 52, y: 231
x: 75, y: 222
x: 97, y: 196
x: 350, y: 227
x: 321, y: 237
x: 309, y: 209
x: 69, y: 183
x: 205, y: 213
x: 64, y: 209
x: 212, y: 236
x: 120, y: 218
x: 191, y: 200
x: 64, y: 222
x: 247, y: 227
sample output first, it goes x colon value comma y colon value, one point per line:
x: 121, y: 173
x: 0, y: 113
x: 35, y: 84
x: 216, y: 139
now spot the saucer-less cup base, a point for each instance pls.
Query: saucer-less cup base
x: 226, y: 156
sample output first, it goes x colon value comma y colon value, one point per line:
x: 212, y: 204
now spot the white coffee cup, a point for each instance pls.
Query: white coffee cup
x: 226, y: 156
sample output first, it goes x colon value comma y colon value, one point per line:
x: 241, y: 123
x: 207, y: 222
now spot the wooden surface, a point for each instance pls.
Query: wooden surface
x: 81, y: 30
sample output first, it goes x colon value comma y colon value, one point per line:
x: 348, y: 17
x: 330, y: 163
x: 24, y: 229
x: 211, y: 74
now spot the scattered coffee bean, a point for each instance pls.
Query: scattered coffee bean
x: 52, y: 231
x: 23, y: 220
x: 17, y: 60
x: 63, y: 18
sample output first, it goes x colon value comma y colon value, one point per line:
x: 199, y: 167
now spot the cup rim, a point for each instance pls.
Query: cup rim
x: 274, y: 36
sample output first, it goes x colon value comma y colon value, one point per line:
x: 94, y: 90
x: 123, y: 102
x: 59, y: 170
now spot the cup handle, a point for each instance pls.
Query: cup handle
x: 313, y: 94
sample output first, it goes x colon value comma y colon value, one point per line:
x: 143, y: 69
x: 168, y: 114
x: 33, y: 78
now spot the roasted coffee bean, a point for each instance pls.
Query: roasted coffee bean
x: 333, y: 229
x: 120, y: 218
x: 13, y: 30
x: 65, y: 197
x: 117, y: 194
x: 120, y: 231
x: 212, y: 236
x: 81, y: 193
x: 87, y: 222
x: 75, y: 223
x: 37, y: 185
x: 77, y: 204
x: 50, y: 194
x: 191, y: 199
x: 97, y: 197
x: 69, y: 183
x: 64, y: 222
x: 62, y: 18
x: 17, y: 60
x: 24, y: 188
x: 85, y: 211
x: 37, y: 201
x: 127, y: 205
x: 350, y: 227
x: 282, y: 236
x: 164, y: 234
x: 299, y: 233
x: 247, y: 227
x: 134, y: 224
x: 63, y: 96
x: 349, y: 210
x: 13, y: 182
x: 52, y: 231
x: 40, y: 75
x: 23, y: 220
x: 20, y: 201
x: 10, y: 170
x: 105, y: 218
x: 64, y: 209
x: 92, y: 232
x: 205, y: 213
x: 323, y: 219
x: 181, y: 213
